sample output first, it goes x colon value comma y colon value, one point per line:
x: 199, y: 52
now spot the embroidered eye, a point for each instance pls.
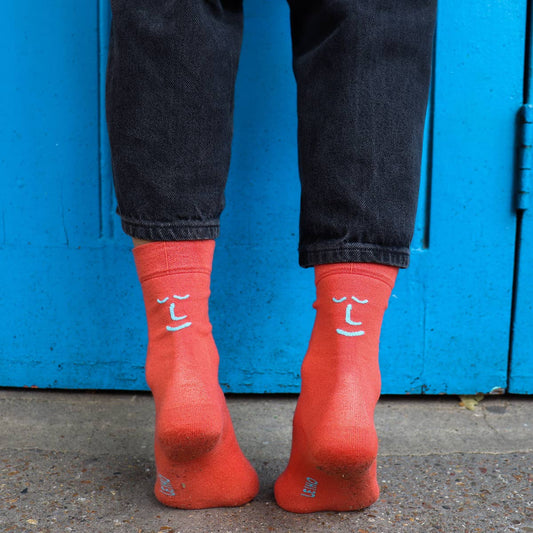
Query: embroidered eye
x: 176, y: 296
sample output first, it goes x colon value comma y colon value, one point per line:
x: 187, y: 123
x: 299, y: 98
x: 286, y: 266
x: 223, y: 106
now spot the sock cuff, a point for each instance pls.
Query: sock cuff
x: 385, y: 273
x: 166, y: 257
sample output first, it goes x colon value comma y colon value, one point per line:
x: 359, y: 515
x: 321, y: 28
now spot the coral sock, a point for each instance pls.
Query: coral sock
x: 334, y: 445
x: 199, y: 462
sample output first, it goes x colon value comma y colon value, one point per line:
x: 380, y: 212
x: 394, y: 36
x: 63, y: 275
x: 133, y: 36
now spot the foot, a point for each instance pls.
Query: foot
x: 332, y: 466
x: 199, y: 462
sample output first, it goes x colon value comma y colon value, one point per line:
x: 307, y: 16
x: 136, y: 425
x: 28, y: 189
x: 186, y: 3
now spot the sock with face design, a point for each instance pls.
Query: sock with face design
x: 199, y: 462
x: 333, y: 457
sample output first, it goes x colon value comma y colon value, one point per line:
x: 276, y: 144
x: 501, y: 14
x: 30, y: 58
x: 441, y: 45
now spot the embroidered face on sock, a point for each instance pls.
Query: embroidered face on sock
x: 348, y: 316
x: 175, y: 319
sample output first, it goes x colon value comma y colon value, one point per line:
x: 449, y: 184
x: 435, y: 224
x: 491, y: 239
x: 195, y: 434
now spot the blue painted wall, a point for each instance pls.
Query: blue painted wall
x: 71, y: 307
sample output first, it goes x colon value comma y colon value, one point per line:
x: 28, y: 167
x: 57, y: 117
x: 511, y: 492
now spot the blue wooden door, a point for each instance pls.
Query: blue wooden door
x: 71, y: 306
x: 454, y: 304
x: 521, y: 356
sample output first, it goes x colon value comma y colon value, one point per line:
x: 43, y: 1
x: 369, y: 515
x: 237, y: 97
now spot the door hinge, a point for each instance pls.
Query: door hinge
x: 525, y: 157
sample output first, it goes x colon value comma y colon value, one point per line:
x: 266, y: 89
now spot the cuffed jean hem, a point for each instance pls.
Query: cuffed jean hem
x: 354, y: 253
x: 187, y: 230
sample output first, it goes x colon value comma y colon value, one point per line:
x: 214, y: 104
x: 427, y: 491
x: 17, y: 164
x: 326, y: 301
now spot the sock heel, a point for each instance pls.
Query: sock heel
x: 185, y: 444
x: 339, y: 454
x: 218, y: 478
x: 342, y: 457
x: 345, y: 466
x: 190, y: 427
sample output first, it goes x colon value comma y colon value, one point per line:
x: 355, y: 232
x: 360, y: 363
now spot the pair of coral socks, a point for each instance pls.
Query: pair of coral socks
x: 199, y: 463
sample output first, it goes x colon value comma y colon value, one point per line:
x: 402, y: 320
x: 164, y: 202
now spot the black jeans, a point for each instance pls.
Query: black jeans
x: 362, y: 69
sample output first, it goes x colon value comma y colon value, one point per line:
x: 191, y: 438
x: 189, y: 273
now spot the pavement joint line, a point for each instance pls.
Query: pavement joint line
x: 383, y: 455
x: 476, y: 452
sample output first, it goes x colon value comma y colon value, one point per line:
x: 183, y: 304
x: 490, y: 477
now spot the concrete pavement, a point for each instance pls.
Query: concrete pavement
x: 82, y: 462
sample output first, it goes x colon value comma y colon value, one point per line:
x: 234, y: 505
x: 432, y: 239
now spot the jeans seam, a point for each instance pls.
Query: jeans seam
x: 354, y: 246
x: 181, y: 223
x: 354, y: 252
x: 170, y: 231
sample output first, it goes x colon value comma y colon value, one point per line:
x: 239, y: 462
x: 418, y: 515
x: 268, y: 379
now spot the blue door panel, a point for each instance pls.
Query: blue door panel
x: 464, y: 276
x: 72, y: 306
x: 49, y: 117
x: 60, y: 328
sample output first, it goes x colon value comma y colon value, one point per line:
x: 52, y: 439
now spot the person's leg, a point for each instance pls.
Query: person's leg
x: 169, y: 98
x: 169, y: 106
x: 363, y: 72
